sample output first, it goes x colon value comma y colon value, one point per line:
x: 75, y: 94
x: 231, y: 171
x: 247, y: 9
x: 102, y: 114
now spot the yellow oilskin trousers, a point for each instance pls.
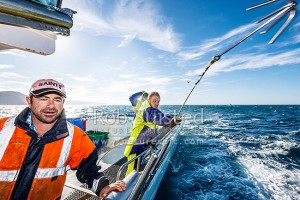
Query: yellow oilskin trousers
x: 137, y: 127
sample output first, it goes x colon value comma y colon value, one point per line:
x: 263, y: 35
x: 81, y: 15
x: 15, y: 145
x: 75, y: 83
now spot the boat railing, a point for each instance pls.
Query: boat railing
x: 160, y: 156
x: 139, y: 161
x: 154, y: 155
x: 142, y: 179
x: 164, y: 133
x: 149, y: 170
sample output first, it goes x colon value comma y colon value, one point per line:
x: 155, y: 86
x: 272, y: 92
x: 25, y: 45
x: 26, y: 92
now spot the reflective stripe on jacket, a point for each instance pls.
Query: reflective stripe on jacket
x: 36, y: 169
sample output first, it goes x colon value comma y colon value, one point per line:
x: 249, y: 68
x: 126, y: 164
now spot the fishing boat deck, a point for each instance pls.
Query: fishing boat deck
x: 110, y: 160
x: 110, y: 165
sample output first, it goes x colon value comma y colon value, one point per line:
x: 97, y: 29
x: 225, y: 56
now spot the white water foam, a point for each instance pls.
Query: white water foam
x: 280, y: 182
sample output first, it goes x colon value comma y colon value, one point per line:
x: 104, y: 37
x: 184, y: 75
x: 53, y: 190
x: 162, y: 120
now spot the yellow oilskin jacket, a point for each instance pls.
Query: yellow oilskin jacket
x: 137, y: 127
x: 139, y: 102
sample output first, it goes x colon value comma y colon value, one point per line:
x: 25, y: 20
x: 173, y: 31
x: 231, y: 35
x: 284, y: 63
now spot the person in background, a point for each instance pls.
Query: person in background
x: 144, y: 127
x: 38, y: 146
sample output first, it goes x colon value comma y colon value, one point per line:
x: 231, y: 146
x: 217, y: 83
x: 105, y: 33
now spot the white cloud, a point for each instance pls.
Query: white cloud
x: 297, y: 25
x: 127, y: 40
x: 127, y: 76
x: 117, y: 91
x: 241, y: 61
x: 297, y: 39
x: 11, y: 81
x: 4, y: 66
x: 11, y: 52
x: 195, y: 72
x: 10, y: 75
x: 121, y: 87
x: 265, y: 60
x: 89, y: 16
x: 129, y: 19
x: 154, y: 81
x: 82, y: 93
x: 152, y: 71
x: 185, y: 80
x: 82, y: 78
x: 251, y: 61
x: 22, y: 83
x: 126, y: 87
x: 203, y: 91
x: 215, y: 43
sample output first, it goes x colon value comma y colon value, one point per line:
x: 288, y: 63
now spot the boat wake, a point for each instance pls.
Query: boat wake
x: 251, y: 154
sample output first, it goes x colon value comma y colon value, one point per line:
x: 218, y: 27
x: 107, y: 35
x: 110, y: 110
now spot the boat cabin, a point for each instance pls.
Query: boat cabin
x: 33, y: 25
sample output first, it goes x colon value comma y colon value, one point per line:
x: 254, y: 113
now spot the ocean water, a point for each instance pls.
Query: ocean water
x: 225, y: 152
x: 236, y: 152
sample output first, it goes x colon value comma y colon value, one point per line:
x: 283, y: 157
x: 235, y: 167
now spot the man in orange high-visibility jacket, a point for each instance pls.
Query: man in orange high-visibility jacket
x: 38, y: 146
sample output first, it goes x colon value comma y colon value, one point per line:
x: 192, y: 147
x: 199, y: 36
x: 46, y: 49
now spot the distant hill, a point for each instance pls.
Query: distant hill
x: 12, y: 98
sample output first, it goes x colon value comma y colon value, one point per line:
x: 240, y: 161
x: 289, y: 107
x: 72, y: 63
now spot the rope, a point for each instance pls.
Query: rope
x: 211, y: 62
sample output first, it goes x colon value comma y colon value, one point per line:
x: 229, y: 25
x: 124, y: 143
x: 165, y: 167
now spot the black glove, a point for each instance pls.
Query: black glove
x: 152, y: 144
x: 175, y: 121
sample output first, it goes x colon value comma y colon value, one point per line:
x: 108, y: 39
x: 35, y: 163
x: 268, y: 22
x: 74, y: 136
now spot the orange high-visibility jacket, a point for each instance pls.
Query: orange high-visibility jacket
x: 36, y: 169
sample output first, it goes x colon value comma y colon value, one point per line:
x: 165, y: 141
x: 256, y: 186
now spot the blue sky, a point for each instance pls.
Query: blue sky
x: 118, y: 47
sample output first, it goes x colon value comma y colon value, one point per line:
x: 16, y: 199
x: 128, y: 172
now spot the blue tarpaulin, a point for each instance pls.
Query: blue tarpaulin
x: 76, y: 121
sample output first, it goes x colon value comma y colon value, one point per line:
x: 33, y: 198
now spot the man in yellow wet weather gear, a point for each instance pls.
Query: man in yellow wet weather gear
x: 144, y: 127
